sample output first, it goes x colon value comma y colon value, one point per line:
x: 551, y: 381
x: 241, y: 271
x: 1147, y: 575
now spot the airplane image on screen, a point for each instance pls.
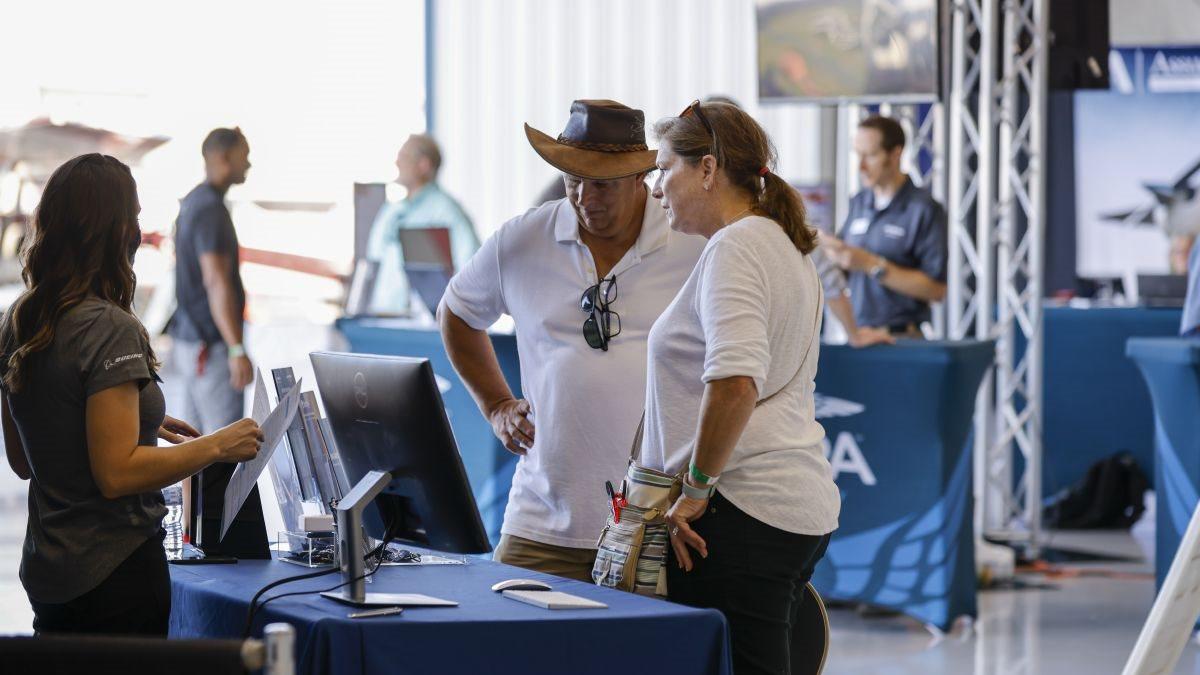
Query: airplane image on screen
x: 1173, y: 206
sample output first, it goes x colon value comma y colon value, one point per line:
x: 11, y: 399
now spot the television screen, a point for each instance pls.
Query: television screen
x: 848, y: 50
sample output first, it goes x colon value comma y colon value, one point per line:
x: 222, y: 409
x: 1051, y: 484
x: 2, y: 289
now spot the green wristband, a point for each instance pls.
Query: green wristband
x: 701, y: 477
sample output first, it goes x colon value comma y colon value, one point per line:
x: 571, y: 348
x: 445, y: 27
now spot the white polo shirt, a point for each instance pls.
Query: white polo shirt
x: 586, y: 402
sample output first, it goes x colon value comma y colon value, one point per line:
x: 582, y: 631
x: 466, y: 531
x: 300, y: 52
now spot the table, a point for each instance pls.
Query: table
x: 489, y: 465
x: 1171, y: 367
x: 1094, y: 401
x: 485, y: 634
x: 898, y: 428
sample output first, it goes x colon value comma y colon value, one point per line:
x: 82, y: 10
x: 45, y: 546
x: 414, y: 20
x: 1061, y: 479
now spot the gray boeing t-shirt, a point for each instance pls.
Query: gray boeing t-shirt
x: 76, y: 537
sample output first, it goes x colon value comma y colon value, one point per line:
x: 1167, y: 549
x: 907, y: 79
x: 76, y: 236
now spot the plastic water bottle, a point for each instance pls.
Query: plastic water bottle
x: 173, y: 523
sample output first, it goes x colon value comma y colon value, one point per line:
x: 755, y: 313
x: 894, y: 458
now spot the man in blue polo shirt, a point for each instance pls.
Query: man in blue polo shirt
x: 893, y: 245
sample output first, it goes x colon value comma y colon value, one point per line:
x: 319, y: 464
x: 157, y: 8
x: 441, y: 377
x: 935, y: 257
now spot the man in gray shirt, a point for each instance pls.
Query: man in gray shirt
x: 208, y: 354
x: 893, y: 246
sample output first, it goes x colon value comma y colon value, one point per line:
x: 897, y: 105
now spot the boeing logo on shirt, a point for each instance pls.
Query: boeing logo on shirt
x: 893, y: 231
x: 844, y: 453
x: 109, y: 363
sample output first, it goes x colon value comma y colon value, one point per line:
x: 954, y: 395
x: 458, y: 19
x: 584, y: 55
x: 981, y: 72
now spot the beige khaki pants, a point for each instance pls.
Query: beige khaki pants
x: 561, y: 561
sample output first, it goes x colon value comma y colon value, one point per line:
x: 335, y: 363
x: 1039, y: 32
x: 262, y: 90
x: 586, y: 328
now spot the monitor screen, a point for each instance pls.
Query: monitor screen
x: 386, y: 413
x: 830, y: 50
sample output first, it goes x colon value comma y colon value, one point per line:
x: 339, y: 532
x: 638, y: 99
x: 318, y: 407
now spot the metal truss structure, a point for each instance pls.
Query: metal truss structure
x: 981, y: 153
x: 996, y: 209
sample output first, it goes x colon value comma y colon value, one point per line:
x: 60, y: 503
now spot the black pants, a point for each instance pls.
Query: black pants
x: 754, y: 574
x: 134, y: 600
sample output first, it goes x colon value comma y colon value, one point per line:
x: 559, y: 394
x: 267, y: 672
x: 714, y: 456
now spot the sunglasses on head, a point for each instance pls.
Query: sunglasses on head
x: 598, y: 328
x: 695, y: 108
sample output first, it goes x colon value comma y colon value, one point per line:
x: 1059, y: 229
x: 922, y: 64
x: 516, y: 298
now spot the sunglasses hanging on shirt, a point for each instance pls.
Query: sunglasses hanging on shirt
x: 598, y: 329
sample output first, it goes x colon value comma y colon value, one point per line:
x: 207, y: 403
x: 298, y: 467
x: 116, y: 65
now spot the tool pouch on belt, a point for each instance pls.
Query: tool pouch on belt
x: 632, y: 551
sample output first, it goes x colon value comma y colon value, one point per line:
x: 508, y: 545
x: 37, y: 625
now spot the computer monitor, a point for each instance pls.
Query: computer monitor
x: 428, y: 262
x: 386, y: 413
x: 1162, y: 290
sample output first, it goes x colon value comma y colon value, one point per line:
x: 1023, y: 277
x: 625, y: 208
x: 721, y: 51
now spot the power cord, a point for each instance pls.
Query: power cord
x: 377, y: 553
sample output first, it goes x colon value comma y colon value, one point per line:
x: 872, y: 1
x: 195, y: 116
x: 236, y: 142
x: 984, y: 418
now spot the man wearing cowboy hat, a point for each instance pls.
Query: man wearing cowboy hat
x: 584, y: 278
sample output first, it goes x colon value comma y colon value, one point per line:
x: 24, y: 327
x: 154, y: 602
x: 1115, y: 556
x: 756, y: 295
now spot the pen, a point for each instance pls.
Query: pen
x: 385, y: 611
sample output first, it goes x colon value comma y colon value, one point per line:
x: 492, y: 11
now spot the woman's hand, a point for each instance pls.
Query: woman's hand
x: 176, y: 431
x: 683, y: 511
x: 238, y: 442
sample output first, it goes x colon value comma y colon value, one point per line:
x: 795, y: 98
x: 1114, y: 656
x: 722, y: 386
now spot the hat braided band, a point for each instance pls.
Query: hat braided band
x: 603, y: 147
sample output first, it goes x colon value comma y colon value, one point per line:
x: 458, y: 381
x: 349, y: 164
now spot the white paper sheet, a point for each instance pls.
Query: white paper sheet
x: 273, y: 426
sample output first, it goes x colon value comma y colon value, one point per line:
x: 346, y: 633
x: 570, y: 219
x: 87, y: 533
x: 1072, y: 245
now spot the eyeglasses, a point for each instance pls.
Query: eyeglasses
x: 598, y: 329
x: 695, y: 108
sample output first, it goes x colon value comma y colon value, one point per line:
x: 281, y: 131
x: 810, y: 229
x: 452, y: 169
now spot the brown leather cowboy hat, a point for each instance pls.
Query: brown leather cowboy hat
x: 603, y: 140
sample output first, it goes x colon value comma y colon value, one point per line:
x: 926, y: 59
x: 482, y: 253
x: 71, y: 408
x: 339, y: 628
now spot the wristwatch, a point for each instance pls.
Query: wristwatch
x: 237, y: 351
x: 879, y: 269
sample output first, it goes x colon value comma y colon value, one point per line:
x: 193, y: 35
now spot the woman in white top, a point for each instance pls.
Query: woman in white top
x: 730, y: 385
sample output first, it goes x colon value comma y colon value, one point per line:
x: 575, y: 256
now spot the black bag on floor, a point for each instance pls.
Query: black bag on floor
x: 1110, y: 496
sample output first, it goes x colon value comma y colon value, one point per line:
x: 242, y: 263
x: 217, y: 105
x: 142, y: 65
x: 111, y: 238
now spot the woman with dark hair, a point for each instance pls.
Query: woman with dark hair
x: 82, y: 411
x: 730, y: 386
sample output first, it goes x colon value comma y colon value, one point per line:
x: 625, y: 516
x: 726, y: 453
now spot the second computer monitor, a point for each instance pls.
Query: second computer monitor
x: 428, y: 262
x: 387, y: 414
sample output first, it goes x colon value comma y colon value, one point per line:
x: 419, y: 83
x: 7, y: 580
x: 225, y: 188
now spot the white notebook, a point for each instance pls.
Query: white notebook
x: 554, y: 600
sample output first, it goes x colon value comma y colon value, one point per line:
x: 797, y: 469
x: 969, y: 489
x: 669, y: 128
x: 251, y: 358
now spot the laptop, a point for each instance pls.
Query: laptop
x: 427, y: 261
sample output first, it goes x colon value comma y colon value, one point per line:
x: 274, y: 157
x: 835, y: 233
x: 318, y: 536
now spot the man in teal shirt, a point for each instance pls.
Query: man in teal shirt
x: 426, y: 205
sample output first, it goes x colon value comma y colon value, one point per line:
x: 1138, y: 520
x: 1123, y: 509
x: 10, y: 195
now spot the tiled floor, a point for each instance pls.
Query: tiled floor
x: 1086, y: 624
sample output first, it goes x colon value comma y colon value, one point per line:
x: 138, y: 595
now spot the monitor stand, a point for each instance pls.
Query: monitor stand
x: 350, y: 545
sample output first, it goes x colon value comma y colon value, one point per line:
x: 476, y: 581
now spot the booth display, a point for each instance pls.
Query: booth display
x: 897, y: 421
x: 1095, y: 404
x: 898, y: 427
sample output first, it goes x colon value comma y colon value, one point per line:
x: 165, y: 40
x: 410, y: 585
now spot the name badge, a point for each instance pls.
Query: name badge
x: 859, y: 226
x: 893, y: 231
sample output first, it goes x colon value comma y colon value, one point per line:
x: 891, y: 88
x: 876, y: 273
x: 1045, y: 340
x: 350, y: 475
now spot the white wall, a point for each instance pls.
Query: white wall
x: 499, y: 64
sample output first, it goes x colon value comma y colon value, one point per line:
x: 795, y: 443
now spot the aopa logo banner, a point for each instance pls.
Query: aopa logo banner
x: 843, y: 453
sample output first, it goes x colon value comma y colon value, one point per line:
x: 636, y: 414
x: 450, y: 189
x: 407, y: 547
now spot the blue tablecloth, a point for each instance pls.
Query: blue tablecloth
x: 486, y: 633
x: 1094, y: 402
x: 489, y: 465
x: 1171, y: 367
x: 898, y: 426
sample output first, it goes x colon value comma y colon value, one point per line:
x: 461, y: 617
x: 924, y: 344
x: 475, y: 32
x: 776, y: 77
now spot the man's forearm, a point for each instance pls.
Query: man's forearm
x: 913, y: 283
x: 223, y: 305
x: 474, y: 359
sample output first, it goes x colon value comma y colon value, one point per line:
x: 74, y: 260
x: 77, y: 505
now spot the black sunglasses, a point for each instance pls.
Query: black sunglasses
x: 695, y: 108
x: 598, y: 328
